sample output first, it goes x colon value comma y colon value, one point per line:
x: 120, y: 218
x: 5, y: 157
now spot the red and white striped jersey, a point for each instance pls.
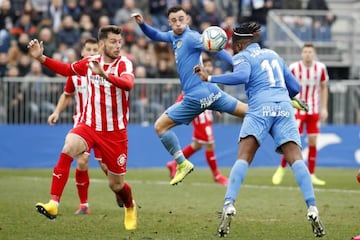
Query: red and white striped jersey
x: 205, y: 117
x: 77, y: 86
x: 310, y: 79
x: 107, y: 106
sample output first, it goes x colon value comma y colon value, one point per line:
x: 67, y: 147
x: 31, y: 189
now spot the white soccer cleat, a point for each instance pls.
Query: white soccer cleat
x: 316, y: 224
x: 228, y: 213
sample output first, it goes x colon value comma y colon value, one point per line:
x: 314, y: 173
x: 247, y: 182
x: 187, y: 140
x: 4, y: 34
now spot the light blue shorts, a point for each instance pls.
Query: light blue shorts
x: 205, y: 96
x: 276, y: 119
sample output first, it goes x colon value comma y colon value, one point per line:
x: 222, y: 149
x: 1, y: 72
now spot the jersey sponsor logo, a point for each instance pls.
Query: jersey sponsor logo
x: 121, y: 160
x: 274, y: 111
x: 207, y: 101
x: 97, y: 80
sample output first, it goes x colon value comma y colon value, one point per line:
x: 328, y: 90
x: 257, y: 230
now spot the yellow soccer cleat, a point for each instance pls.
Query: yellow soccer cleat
x: 299, y: 104
x: 49, y: 210
x: 278, y: 176
x: 130, y: 220
x: 182, y: 170
x: 316, y: 181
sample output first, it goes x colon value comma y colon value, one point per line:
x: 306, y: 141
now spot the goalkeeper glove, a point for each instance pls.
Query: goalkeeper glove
x: 299, y: 104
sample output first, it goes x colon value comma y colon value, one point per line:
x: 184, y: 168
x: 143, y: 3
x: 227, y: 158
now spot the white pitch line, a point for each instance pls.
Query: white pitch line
x: 104, y: 180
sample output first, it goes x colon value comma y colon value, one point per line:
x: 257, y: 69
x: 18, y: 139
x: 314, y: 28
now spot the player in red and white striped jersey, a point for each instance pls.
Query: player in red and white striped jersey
x: 313, y: 78
x: 103, y: 121
x: 76, y: 87
x: 203, y: 135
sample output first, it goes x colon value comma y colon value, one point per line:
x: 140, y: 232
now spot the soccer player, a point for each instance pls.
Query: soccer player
x: 203, y: 135
x: 268, y: 83
x: 103, y: 121
x: 76, y: 86
x: 198, y: 95
x: 313, y: 78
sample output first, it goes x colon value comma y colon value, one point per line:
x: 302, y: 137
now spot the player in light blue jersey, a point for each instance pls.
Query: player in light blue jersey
x: 198, y: 95
x: 268, y: 83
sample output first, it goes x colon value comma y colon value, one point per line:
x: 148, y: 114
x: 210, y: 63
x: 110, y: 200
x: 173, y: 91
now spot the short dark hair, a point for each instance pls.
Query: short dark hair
x: 308, y: 44
x: 90, y: 40
x: 174, y: 9
x: 104, y: 31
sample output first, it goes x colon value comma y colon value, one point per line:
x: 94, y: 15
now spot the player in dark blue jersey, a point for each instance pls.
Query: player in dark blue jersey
x: 198, y: 95
x: 268, y: 83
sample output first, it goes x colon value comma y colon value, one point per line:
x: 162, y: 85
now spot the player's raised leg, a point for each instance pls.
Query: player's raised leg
x: 170, y: 141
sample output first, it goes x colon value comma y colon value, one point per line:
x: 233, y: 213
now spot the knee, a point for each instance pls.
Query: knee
x: 159, y: 127
x: 116, y: 186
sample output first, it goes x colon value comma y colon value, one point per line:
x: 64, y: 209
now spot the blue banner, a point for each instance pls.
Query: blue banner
x: 39, y: 146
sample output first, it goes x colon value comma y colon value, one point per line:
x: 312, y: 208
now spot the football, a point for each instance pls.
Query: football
x: 214, y: 38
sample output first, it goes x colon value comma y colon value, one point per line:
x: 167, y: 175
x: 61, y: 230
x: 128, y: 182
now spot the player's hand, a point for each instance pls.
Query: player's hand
x: 324, y: 115
x: 200, y: 70
x: 138, y: 18
x: 96, y: 68
x: 36, y: 49
x: 53, y: 118
x: 299, y: 104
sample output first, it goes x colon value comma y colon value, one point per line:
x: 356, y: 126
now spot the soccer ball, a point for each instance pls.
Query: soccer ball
x: 214, y: 38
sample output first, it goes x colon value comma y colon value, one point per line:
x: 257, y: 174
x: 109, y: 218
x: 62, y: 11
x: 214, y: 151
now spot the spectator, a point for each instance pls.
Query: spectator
x: 255, y: 11
x: 71, y: 8
x: 157, y: 10
x: 18, y: 8
x: 150, y: 65
x: 55, y: 12
x: 18, y: 49
x: 193, y: 11
x: 6, y: 18
x: 69, y: 33
x: 321, y: 24
x: 85, y: 24
x: 16, y: 107
x: 112, y: 6
x: 48, y: 39
x: 102, y: 21
x: 23, y: 25
x: 37, y: 94
x: 41, y: 8
x: 142, y: 47
x: 227, y: 8
x: 129, y: 34
x: 165, y: 69
x: 210, y: 15
x: 96, y: 11
x: 164, y: 51
x: 145, y: 111
x: 123, y: 15
x: 4, y: 61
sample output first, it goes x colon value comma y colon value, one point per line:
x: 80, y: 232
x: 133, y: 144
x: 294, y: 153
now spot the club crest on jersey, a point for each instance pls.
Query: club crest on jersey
x: 121, y: 160
x: 179, y: 44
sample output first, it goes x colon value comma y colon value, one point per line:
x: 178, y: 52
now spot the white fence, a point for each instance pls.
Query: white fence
x: 24, y: 101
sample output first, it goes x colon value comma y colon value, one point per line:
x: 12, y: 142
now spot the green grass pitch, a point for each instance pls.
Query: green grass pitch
x: 187, y: 211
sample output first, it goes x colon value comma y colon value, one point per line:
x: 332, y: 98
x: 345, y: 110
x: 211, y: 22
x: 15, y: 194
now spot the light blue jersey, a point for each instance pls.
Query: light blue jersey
x: 267, y: 80
x: 198, y: 95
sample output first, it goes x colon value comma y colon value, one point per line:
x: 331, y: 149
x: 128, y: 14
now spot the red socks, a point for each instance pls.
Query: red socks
x: 188, y: 151
x: 211, y: 161
x: 283, y: 162
x: 125, y: 195
x: 60, y: 176
x: 82, y: 184
x: 312, y: 159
